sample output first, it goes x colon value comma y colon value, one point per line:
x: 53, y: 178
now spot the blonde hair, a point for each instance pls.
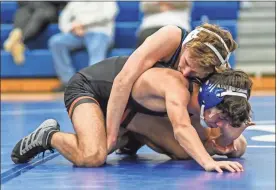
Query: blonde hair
x: 203, y: 54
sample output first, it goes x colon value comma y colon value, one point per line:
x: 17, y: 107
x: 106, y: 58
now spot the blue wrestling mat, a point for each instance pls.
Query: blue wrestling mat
x: 148, y: 170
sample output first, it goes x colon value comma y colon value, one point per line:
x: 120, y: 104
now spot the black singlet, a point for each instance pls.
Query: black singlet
x: 100, y: 77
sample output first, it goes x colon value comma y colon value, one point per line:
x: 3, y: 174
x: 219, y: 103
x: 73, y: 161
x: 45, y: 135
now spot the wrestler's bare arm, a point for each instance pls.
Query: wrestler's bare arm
x: 177, y: 98
x: 155, y: 48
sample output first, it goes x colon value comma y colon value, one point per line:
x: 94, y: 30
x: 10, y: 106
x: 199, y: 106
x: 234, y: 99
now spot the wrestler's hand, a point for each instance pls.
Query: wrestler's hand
x: 111, y: 142
x: 119, y: 140
x: 226, y: 165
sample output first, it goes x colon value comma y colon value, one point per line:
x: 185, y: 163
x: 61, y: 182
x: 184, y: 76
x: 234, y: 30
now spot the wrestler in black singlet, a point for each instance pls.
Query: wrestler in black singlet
x: 95, y: 82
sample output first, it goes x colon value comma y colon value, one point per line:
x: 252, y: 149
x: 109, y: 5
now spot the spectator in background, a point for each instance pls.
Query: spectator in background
x: 83, y: 24
x: 31, y: 18
x: 246, y: 4
x: 159, y: 14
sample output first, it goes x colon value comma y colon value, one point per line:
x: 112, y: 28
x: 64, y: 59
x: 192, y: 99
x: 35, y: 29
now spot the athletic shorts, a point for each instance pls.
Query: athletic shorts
x: 78, y: 91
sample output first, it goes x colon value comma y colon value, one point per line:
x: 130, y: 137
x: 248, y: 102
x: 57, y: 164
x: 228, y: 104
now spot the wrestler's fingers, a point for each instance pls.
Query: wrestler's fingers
x: 235, y: 166
x: 218, y: 169
x: 239, y: 165
x: 228, y: 167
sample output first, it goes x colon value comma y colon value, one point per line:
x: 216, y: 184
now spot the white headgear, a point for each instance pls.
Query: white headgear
x: 194, y: 34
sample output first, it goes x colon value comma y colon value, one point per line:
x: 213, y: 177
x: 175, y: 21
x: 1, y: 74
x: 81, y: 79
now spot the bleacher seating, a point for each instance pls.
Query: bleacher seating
x: 7, y: 11
x: 39, y: 63
x: 123, y: 31
x: 223, y: 10
x: 38, y: 58
x: 129, y: 11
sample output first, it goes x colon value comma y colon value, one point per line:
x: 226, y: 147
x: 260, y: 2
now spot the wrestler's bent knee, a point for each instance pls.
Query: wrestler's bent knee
x: 95, y: 159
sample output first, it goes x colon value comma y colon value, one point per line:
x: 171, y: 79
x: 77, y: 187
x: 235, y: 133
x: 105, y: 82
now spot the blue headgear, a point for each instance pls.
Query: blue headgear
x: 211, y: 94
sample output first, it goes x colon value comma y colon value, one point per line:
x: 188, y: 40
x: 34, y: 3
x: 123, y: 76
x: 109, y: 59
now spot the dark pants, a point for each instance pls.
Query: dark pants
x: 33, y: 17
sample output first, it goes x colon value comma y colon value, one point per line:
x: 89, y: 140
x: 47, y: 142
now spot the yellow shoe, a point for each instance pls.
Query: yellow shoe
x: 17, y: 52
x: 15, y: 35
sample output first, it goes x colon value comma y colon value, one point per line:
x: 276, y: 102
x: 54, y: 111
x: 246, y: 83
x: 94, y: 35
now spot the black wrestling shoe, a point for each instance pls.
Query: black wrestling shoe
x: 132, y: 146
x: 36, y: 142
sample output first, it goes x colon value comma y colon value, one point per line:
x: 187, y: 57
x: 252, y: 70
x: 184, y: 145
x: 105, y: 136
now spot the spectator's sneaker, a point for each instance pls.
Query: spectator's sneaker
x: 36, y: 142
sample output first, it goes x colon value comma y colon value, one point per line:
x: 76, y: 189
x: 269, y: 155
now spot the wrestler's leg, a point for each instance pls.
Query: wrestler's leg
x: 86, y: 148
x: 146, y: 141
x: 159, y: 135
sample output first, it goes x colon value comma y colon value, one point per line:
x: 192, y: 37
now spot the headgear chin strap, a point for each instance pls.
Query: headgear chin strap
x: 194, y: 34
x: 210, y: 95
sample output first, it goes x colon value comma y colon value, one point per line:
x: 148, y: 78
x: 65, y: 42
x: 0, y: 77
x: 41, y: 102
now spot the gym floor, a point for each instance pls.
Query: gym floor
x: 148, y: 170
